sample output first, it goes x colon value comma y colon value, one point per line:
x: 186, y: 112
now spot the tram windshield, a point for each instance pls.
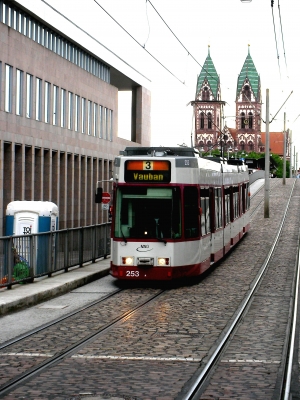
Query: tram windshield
x: 148, y: 212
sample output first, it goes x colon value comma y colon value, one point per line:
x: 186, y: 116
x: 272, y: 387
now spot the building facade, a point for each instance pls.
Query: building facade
x: 59, y: 118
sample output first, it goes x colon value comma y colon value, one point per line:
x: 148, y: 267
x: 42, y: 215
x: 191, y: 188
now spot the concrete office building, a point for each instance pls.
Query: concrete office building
x: 59, y: 112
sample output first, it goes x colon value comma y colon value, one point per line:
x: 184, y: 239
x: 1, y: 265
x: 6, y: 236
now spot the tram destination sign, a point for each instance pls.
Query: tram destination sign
x: 147, y: 171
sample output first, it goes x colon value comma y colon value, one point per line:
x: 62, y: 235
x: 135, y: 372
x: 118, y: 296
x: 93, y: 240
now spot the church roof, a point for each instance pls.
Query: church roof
x: 249, y: 71
x: 275, y: 142
x: 209, y: 74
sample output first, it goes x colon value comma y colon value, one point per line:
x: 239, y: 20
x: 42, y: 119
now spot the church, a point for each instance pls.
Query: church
x: 210, y: 132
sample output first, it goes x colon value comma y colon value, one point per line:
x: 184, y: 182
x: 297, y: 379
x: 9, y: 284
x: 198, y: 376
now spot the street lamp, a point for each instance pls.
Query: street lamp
x: 229, y: 150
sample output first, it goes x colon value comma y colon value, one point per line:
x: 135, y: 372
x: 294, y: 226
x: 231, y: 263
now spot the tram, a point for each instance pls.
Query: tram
x: 175, y: 214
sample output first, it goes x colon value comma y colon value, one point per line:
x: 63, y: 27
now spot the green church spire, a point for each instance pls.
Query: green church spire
x: 208, y: 75
x: 249, y: 72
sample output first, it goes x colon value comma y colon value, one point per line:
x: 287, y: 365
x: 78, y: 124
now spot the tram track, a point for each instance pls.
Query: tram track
x: 52, y: 356
x: 148, y: 343
x: 204, y: 381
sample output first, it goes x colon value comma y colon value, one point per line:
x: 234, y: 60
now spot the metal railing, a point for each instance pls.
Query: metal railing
x: 25, y: 257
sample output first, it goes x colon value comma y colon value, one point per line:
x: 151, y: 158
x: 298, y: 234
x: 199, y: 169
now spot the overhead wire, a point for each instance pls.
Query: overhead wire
x: 282, y: 34
x: 92, y: 37
x: 148, y: 25
x: 149, y: 1
x: 272, y: 4
x: 148, y: 52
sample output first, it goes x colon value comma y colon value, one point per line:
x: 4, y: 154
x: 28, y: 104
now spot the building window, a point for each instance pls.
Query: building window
x: 8, y: 88
x: 83, y: 114
x: 38, y: 100
x: 63, y: 108
x: 29, y: 94
x: 70, y: 113
x: 243, y: 120
x: 89, y: 117
x: 250, y: 118
x: 105, y: 123
x: 202, y: 120
x: 101, y: 122
x: 246, y: 93
x: 19, y: 92
x: 209, y: 121
x: 205, y: 94
x: 95, y: 120
x: 110, y: 130
x: 47, y: 102
x: 0, y: 76
x: 77, y: 112
x: 55, y: 105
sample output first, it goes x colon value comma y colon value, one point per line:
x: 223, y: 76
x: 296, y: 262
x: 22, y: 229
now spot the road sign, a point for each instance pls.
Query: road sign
x: 105, y: 197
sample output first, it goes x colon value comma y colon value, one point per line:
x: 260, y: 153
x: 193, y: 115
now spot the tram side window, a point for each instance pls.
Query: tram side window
x: 218, y: 208
x: 235, y: 202
x: 227, y: 206
x: 244, y: 198
x: 191, y: 212
x: 205, y: 217
x: 247, y: 197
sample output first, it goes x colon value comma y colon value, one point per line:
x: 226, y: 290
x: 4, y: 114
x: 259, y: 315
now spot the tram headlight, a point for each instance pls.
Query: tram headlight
x: 162, y: 261
x: 127, y: 260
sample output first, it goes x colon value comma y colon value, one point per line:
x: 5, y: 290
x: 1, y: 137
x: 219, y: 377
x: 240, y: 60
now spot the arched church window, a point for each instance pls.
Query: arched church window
x: 209, y: 121
x: 243, y: 120
x: 205, y: 93
x: 202, y: 120
x: 246, y: 93
x: 250, y: 146
x: 250, y: 118
x: 242, y: 144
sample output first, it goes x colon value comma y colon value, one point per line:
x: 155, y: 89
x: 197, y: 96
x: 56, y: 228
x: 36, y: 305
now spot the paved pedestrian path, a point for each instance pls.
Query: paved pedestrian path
x: 29, y: 294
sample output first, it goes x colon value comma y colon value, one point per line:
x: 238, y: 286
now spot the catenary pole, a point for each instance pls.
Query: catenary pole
x: 284, y: 151
x: 267, y: 159
x: 291, y: 153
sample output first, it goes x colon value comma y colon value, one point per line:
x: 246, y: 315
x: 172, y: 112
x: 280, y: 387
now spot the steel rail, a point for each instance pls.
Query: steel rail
x: 13, y: 383
x: 211, y: 362
x: 287, y: 388
x: 56, y: 321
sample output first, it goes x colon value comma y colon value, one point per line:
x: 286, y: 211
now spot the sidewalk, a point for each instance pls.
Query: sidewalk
x: 26, y: 295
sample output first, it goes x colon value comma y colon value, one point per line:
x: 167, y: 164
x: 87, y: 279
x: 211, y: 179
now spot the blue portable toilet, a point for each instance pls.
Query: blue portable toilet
x: 26, y: 218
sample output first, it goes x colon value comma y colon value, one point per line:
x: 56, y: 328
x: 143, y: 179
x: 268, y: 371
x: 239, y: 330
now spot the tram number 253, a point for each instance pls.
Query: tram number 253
x: 133, y: 273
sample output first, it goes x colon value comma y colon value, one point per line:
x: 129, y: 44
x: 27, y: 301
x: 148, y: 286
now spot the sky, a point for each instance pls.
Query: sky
x: 176, y: 58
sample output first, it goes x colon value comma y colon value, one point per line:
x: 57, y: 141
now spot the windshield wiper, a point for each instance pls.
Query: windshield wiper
x: 156, y: 229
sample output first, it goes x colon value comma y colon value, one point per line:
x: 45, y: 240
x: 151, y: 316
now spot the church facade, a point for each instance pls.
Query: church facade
x: 210, y: 131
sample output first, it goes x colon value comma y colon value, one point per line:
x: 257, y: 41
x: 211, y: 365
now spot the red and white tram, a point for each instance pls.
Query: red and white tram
x: 175, y: 213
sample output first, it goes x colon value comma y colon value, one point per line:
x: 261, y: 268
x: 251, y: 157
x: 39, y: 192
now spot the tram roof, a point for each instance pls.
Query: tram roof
x: 160, y: 151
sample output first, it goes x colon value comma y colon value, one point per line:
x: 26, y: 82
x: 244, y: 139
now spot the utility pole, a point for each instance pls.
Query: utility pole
x: 291, y: 155
x: 295, y: 166
x: 284, y: 151
x: 267, y: 159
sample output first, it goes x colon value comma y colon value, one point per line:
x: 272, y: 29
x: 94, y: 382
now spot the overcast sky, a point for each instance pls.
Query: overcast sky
x: 227, y: 26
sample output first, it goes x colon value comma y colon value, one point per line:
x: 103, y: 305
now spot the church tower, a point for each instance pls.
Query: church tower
x: 248, y: 107
x: 207, y: 107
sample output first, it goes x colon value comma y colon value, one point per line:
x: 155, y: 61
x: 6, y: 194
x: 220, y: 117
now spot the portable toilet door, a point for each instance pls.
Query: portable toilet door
x: 26, y: 223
